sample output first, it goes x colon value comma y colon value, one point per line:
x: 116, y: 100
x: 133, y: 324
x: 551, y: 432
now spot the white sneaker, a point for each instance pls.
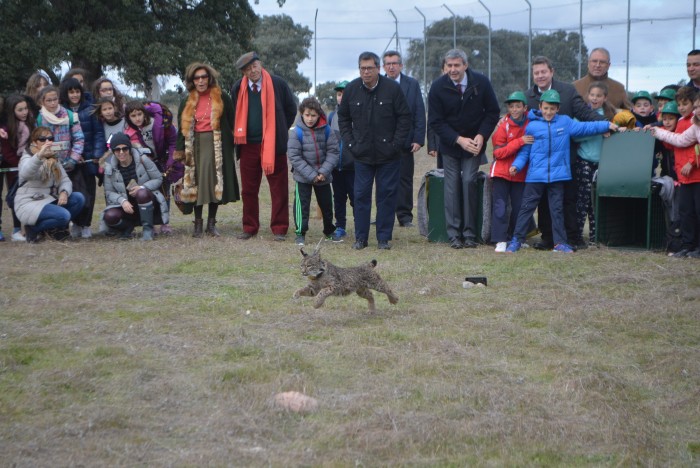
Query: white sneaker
x: 75, y: 231
x: 18, y: 237
x: 87, y: 232
x: 501, y: 247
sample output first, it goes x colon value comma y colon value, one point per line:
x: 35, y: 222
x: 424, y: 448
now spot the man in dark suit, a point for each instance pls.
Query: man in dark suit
x: 462, y: 111
x: 572, y: 105
x: 393, y: 67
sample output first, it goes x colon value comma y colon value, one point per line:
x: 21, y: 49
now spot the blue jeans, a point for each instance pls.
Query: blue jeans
x: 387, y: 181
x: 53, y: 216
x: 533, y: 193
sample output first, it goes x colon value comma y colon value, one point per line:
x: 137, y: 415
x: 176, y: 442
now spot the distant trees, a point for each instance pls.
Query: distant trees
x: 509, y: 61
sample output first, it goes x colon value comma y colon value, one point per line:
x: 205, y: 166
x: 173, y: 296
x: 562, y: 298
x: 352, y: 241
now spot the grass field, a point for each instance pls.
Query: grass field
x: 170, y: 353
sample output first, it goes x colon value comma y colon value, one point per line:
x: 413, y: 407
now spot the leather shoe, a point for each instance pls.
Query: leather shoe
x: 384, y: 245
x: 407, y: 224
x: 542, y: 245
x: 359, y: 245
x: 245, y: 235
x: 456, y: 243
x: 279, y: 238
x: 470, y: 244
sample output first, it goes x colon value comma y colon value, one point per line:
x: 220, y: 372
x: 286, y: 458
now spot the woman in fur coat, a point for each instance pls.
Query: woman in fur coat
x: 205, y: 144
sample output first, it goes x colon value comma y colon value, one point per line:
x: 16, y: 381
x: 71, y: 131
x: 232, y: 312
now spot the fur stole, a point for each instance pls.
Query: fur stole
x: 189, y: 181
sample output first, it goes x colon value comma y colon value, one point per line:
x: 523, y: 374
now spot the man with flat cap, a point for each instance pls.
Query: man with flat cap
x: 265, y: 110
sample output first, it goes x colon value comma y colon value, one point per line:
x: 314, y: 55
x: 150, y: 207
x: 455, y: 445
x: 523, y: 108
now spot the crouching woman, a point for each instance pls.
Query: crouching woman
x: 45, y: 201
x: 132, y: 190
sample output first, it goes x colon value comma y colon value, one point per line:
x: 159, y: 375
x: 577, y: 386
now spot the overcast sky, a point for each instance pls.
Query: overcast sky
x: 660, y: 38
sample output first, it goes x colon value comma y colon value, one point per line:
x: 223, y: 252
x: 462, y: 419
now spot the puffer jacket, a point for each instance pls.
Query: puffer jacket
x: 314, y: 155
x: 688, y: 139
x: 507, y: 141
x: 548, y: 157
x: 147, y: 175
x: 34, y: 194
x: 93, y: 135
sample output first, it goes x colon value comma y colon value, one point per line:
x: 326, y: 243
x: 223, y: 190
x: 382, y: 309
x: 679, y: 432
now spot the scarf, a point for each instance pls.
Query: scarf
x: 54, y: 119
x: 267, y: 147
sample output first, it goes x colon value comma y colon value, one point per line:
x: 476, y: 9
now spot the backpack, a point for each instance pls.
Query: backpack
x: 300, y: 133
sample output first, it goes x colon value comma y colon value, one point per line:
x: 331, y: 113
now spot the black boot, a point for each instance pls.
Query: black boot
x: 146, y: 214
x: 124, y: 229
x: 198, y: 224
x: 211, y: 228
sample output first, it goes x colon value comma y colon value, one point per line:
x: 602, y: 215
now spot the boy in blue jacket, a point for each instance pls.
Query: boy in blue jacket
x: 549, y: 166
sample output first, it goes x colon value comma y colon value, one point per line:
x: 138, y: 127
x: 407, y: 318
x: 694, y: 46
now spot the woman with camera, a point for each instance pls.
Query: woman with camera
x: 45, y: 201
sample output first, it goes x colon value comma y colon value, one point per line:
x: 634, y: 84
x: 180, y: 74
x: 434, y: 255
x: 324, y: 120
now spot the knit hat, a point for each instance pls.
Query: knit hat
x: 119, y: 139
x: 341, y: 86
x: 670, y: 108
x: 516, y: 96
x: 551, y: 96
x: 641, y: 95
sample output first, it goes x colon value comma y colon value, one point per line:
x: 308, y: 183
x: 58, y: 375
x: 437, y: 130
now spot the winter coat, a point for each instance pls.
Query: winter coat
x: 507, y: 141
x: 93, y: 135
x: 147, y: 175
x: 548, y: 157
x: 414, y: 99
x: 572, y: 104
x: 590, y: 147
x: 314, y: 155
x: 35, y: 193
x: 71, y: 136
x: 374, y: 123
x: 345, y: 160
x: 223, y: 115
x: 8, y: 154
x: 617, y: 96
x: 685, y: 153
x: 285, y: 110
x: 451, y: 115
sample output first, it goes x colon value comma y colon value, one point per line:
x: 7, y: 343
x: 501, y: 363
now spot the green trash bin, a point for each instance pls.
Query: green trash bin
x: 435, y: 197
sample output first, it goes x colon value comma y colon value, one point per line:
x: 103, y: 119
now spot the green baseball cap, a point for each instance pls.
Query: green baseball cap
x: 516, y: 96
x: 341, y: 86
x: 551, y: 96
x: 670, y: 108
x: 642, y: 95
x: 668, y: 93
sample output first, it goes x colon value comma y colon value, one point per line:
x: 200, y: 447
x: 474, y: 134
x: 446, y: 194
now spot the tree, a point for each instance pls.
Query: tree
x: 509, y: 62
x: 325, y: 93
x: 282, y: 46
x: 139, y: 39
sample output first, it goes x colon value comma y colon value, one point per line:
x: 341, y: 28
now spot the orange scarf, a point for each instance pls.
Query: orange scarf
x: 267, y: 147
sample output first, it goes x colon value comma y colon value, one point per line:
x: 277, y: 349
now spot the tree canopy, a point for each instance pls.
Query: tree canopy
x: 325, y: 93
x: 282, y: 46
x: 140, y: 39
x: 509, y: 61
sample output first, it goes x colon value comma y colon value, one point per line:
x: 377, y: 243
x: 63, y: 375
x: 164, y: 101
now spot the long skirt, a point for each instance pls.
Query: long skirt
x: 205, y: 166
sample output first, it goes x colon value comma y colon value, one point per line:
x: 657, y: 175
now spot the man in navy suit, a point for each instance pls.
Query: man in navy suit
x: 416, y: 138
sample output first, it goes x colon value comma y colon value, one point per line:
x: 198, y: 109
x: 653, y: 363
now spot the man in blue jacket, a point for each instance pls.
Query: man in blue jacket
x: 462, y: 111
x: 374, y: 121
x: 393, y: 67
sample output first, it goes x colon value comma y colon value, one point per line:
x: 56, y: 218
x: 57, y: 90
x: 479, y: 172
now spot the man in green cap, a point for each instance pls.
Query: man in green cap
x: 343, y: 182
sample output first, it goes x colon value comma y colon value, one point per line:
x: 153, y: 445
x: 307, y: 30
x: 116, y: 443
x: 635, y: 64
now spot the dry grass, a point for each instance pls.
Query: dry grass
x: 120, y: 353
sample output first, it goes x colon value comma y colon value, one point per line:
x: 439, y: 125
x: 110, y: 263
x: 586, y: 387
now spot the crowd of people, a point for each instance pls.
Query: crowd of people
x: 60, y: 143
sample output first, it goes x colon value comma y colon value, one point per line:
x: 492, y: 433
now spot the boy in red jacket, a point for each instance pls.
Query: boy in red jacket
x: 507, y: 140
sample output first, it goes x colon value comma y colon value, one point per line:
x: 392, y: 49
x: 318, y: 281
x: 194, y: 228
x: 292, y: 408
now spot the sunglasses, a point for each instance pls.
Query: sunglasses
x: 45, y: 138
x: 200, y: 77
x: 121, y: 149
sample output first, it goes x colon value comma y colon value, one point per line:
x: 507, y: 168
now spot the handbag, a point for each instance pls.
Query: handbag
x: 12, y: 192
x: 176, y: 191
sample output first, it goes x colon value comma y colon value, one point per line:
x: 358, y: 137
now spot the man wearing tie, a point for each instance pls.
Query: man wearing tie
x: 462, y: 111
x: 393, y: 67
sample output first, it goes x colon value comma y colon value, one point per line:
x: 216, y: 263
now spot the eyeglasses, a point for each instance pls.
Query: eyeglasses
x: 391, y: 64
x: 45, y: 138
x: 367, y: 69
x: 200, y: 77
x: 121, y: 149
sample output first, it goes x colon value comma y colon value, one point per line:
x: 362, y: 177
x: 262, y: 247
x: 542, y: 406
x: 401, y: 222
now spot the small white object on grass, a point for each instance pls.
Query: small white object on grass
x: 247, y: 312
x: 295, y: 401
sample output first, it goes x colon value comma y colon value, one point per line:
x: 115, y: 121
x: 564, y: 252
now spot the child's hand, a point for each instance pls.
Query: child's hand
x: 613, y: 127
x: 513, y: 170
x: 685, y: 170
x: 528, y: 139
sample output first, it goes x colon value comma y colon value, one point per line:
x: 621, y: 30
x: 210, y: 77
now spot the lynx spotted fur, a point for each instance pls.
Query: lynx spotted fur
x: 326, y: 279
